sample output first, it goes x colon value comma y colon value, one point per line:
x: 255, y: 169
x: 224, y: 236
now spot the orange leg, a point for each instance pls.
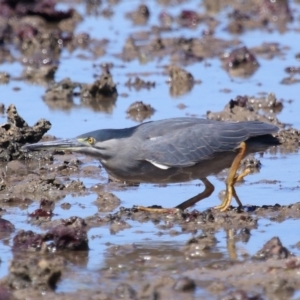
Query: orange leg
x: 239, y: 178
x: 233, y: 178
x: 209, y: 188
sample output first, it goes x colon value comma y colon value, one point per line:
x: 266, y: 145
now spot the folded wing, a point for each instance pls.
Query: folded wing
x: 190, y: 145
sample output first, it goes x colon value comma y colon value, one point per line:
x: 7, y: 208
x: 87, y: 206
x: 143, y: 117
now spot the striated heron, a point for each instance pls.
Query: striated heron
x: 174, y: 150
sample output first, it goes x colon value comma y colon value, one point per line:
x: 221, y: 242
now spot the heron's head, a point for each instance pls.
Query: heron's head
x: 85, y: 145
x: 103, y: 144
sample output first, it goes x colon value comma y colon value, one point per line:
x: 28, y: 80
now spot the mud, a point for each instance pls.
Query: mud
x: 66, y: 229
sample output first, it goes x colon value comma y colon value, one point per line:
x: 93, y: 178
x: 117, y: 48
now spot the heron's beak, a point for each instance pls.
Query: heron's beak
x: 65, y: 144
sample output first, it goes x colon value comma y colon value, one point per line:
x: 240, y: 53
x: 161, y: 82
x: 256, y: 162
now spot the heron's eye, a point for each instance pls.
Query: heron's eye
x: 91, y: 140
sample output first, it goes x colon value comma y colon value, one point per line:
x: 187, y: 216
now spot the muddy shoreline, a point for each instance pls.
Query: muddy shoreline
x: 68, y: 230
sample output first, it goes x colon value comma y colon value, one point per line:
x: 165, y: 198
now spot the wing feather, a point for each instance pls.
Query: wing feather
x: 198, y: 141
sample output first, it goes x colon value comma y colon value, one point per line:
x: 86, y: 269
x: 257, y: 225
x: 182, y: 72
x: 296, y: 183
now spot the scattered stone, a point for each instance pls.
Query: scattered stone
x: 181, y: 106
x: 258, y: 15
x: 139, y: 111
x: 269, y: 50
x: 75, y: 185
x: 273, y: 249
x: 34, y: 183
x: 274, y: 12
x: 290, y: 138
x: 35, y: 272
x: 44, y: 211
x: 199, y: 246
x: 102, y: 94
x: 188, y: 18
x: 28, y: 240
x: 107, y: 202
x: 118, y: 225
x: 240, y: 62
x: 2, y: 108
x: 140, y: 16
x: 16, y: 132
x: 139, y: 84
x: 251, y: 163
x: 40, y: 73
x: 245, y: 108
x: 60, y: 94
x: 125, y: 291
x: 66, y: 206
x: 290, y: 80
x: 238, y: 20
x: 292, y: 70
x: 165, y: 19
x: 70, y: 235
x: 181, y: 81
x: 4, y: 77
x: 241, y: 295
x: 6, y: 228
x: 184, y: 284
x: 43, y: 8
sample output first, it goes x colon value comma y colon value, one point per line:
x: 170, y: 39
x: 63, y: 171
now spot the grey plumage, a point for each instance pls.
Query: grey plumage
x: 171, y: 150
x: 184, y: 142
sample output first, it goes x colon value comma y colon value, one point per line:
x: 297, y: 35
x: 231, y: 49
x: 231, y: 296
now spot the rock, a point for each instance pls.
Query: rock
x: 16, y: 133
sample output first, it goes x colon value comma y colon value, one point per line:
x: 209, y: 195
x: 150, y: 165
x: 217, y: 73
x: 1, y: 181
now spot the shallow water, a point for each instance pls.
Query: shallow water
x: 206, y: 96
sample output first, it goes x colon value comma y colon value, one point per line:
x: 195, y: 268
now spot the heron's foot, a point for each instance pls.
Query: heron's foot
x: 241, y: 176
x: 230, y: 192
x: 233, y: 178
x: 159, y: 210
x: 227, y: 200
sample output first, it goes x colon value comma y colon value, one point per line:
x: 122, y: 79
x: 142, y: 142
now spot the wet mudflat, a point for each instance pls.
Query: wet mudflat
x: 74, y: 66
